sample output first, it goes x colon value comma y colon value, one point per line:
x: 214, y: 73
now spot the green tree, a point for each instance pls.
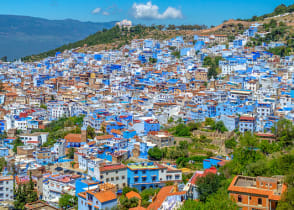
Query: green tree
x: 126, y: 203
x: 128, y: 189
x: 71, y: 153
x: 67, y: 201
x: 91, y: 132
x: 17, y: 142
x: 155, y: 153
x: 208, y: 185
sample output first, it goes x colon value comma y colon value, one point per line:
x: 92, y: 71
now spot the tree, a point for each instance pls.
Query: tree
x: 71, y: 153
x: 287, y: 201
x: 17, y: 142
x: 128, y: 189
x: 67, y: 201
x: 3, y: 163
x: 90, y: 132
x: 126, y: 203
x: 220, y: 126
x: 208, y: 185
x: 155, y: 153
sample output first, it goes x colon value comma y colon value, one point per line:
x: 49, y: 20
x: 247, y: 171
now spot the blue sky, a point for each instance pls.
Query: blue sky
x: 209, y: 12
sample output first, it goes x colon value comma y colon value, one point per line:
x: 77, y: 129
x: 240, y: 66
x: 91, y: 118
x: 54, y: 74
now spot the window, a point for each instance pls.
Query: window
x: 116, y: 172
x: 112, y: 179
x: 239, y: 198
x: 136, y: 172
x: 143, y: 172
x: 117, y: 178
x: 136, y: 179
x: 144, y: 179
x: 259, y: 201
x: 122, y: 177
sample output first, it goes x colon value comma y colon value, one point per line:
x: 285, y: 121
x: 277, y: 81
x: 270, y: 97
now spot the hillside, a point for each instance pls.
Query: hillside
x: 23, y: 35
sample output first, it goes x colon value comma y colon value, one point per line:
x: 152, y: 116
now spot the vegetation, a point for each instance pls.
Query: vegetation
x: 126, y: 203
x: 208, y: 185
x: 25, y: 193
x: 90, y: 132
x: 56, y: 129
x: 105, y: 36
x: 212, y: 64
x: 67, y: 201
x: 71, y: 153
x: 17, y: 142
x: 281, y: 9
x: 3, y: 163
x: 155, y: 153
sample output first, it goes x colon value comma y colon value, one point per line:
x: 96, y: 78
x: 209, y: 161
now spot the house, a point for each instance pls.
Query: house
x: 151, y: 125
x: 247, y: 123
x: 74, y: 140
x: 151, y: 175
x: 43, y: 156
x: 96, y: 199
x: 230, y: 121
x: 4, y: 151
x: 115, y: 174
x: 256, y: 192
x: 6, y: 188
x: 168, y: 197
x: 54, y: 186
x: 39, y: 205
x: 161, y: 138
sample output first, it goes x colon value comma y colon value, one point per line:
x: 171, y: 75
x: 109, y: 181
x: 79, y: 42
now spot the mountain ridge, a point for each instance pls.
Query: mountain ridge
x: 25, y: 35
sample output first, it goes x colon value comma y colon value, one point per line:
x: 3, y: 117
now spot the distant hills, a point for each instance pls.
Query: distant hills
x: 22, y: 35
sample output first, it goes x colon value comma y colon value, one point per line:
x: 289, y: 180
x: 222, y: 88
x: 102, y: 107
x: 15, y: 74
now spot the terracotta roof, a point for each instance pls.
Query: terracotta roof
x: 105, y: 196
x: 132, y: 194
x: 71, y: 137
x: 112, y: 167
x: 161, y: 196
x: 257, y: 191
x: 116, y: 131
x: 138, y: 208
x: 246, y: 118
x: 104, y: 137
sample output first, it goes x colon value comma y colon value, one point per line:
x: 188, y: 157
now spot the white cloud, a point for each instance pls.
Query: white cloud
x: 96, y: 11
x: 105, y: 13
x: 149, y: 11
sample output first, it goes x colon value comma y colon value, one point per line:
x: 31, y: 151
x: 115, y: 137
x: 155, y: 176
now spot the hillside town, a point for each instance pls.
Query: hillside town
x: 139, y: 126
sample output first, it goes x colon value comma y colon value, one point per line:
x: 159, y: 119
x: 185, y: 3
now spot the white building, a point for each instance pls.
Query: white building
x: 6, y: 188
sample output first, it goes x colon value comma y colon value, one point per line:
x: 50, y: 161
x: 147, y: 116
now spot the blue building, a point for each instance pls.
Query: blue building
x: 93, y: 200
x: 143, y: 175
x: 4, y: 151
x: 151, y: 125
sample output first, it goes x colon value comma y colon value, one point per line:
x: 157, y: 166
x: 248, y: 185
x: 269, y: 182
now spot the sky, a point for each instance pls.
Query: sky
x: 208, y: 12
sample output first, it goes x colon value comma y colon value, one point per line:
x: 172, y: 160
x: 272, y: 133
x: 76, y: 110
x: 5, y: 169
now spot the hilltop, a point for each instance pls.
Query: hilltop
x: 23, y: 35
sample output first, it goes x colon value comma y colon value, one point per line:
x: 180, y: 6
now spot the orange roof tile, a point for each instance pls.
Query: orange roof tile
x: 71, y: 137
x: 105, y: 196
x: 132, y: 194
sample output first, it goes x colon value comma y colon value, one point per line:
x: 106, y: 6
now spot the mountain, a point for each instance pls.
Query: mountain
x: 22, y: 35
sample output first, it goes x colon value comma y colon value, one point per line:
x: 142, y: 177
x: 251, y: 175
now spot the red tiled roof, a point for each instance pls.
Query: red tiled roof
x: 161, y: 196
x: 112, y: 167
x: 105, y: 196
x: 71, y: 137
x: 104, y: 137
x: 246, y: 118
x: 132, y: 194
